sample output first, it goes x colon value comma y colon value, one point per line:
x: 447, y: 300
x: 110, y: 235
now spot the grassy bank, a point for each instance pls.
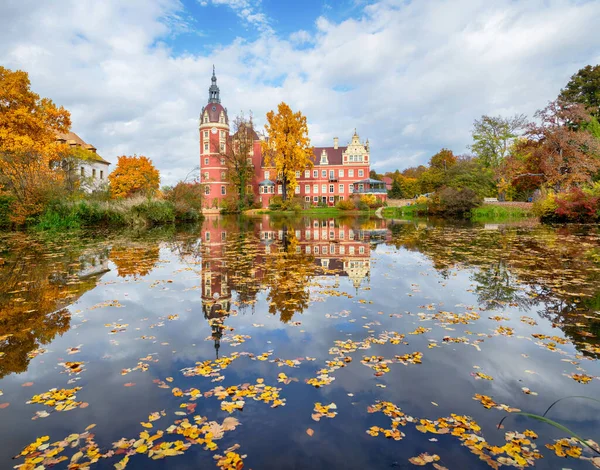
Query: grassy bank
x: 415, y: 210
x: 319, y: 211
x: 497, y: 212
x: 487, y: 212
x: 135, y: 212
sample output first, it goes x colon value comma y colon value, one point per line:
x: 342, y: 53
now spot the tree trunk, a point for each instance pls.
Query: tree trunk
x: 284, y: 187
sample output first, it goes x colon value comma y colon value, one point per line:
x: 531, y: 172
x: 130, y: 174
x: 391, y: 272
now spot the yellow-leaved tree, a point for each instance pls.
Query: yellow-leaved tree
x: 287, y: 147
x: 28, y: 148
x: 134, y: 176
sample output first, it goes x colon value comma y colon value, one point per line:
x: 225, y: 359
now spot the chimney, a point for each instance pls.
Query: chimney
x: 335, y: 142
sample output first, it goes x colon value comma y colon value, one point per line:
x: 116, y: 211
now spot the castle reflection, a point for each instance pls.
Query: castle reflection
x: 281, y: 257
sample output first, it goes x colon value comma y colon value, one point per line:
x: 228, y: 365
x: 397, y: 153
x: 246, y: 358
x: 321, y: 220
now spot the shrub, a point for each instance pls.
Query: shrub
x: 545, y: 207
x: 293, y: 204
x: 276, y: 203
x: 345, y: 205
x: 455, y: 202
x: 155, y: 211
x: 5, y: 210
x: 577, y: 206
x: 186, y: 199
x: 369, y: 199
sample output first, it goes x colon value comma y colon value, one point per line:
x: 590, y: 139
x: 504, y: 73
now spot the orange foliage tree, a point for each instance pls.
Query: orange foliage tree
x: 132, y: 176
x: 28, y: 147
x: 287, y: 147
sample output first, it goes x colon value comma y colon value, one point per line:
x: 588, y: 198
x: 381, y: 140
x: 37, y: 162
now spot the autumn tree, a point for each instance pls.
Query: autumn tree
x: 238, y: 159
x: 568, y: 154
x: 287, y: 147
x: 28, y: 148
x: 584, y: 88
x: 493, y: 135
x: 442, y: 160
x: 132, y: 176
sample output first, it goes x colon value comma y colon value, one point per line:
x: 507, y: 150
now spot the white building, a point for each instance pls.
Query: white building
x: 93, y: 170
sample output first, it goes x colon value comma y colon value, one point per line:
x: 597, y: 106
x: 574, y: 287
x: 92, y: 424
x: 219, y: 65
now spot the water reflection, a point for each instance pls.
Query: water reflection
x: 287, y: 295
x: 38, y: 281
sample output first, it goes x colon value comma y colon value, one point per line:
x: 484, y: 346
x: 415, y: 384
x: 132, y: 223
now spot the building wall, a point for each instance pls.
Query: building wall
x: 94, y: 175
x: 213, y: 141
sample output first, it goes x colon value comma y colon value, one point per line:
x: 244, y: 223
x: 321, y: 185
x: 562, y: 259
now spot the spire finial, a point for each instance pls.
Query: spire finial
x: 213, y: 91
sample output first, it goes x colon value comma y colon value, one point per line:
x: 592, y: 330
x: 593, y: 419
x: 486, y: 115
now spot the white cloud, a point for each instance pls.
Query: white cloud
x: 411, y: 77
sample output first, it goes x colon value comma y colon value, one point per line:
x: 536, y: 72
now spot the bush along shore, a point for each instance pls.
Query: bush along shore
x: 133, y: 212
x: 461, y: 204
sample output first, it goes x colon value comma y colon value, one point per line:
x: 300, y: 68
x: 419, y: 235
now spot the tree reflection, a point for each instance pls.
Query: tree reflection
x: 556, y: 271
x: 288, y: 275
x: 135, y: 259
x: 38, y: 281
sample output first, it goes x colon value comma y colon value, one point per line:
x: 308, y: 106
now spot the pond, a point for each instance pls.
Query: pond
x: 282, y: 343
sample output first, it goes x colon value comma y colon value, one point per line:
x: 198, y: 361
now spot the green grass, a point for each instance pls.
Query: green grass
x: 324, y: 211
x: 493, y: 212
x: 414, y: 210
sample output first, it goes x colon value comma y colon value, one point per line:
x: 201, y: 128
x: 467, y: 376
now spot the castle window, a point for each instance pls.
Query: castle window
x: 223, y: 176
x: 307, y: 173
x: 267, y: 174
x: 351, y: 173
x: 316, y: 188
x: 331, y: 188
x: 315, y: 199
x: 341, y: 173
x: 206, y: 146
x: 101, y: 174
x: 323, y: 188
x: 206, y: 134
x: 279, y: 189
x: 331, y: 198
x: 206, y: 161
x: 93, y: 173
x: 350, y: 188
x: 360, y: 173
x: 323, y: 173
x: 361, y: 249
x: 297, y: 190
x: 206, y: 176
x: 341, y: 188
x: 307, y: 188
x: 207, y: 190
x: 307, y: 198
x: 222, y: 147
x: 222, y: 161
x: 297, y: 174
x: 315, y: 173
x: 222, y: 190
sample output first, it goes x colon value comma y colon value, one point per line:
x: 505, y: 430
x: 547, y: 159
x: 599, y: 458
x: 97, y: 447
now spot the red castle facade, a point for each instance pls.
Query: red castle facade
x: 338, y: 172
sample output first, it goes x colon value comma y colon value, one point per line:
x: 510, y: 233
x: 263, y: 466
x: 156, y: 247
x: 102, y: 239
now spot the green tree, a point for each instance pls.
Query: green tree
x: 493, y: 136
x: 287, y: 147
x: 396, y: 191
x: 584, y: 88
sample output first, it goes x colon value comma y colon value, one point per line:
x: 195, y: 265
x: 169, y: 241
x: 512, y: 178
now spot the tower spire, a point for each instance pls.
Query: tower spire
x: 213, y: 91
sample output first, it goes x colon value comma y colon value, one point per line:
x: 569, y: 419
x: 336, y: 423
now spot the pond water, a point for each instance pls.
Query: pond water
x: 301, y: 343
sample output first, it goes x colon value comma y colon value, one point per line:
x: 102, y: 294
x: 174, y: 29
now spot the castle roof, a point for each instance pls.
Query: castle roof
x: 73, y: 140
x: 214, y: 111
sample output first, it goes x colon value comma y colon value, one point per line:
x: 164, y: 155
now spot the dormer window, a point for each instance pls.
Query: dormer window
x: 324, y: 160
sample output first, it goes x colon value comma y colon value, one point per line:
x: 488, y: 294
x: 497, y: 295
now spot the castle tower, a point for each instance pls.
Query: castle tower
x: 214, y: 137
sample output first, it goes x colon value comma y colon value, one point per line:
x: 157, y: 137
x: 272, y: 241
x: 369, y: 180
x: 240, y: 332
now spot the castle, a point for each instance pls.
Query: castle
x: 337, y: 173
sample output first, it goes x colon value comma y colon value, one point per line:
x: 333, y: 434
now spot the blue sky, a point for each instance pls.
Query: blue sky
x: 410, y: 76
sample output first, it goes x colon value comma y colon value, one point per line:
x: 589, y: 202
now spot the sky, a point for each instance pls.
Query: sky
x: 411, y: 76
